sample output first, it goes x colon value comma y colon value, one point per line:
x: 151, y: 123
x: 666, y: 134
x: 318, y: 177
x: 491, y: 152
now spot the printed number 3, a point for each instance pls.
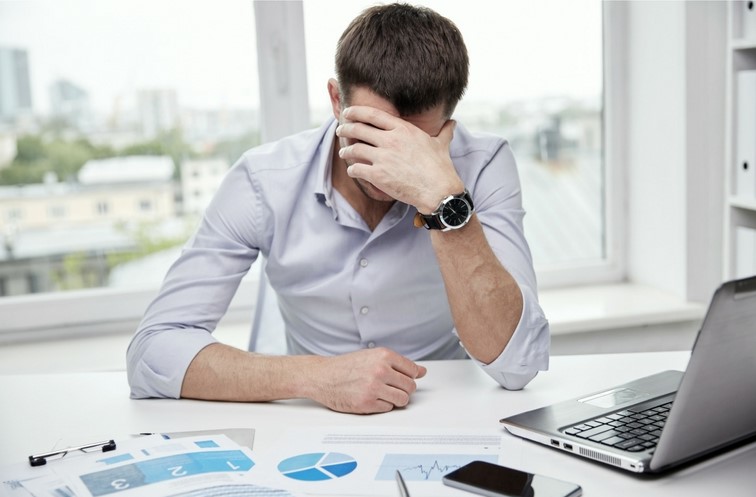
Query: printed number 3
x: 120, y: 484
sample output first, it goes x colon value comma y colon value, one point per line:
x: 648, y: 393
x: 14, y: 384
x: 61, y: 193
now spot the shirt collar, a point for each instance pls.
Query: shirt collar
x: 324, y: 187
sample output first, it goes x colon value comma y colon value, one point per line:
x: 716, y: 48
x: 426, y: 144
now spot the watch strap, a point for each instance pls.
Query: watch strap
x: 429, y: 222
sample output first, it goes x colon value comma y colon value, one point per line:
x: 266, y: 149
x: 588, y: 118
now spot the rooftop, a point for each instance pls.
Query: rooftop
x: 135, y: 168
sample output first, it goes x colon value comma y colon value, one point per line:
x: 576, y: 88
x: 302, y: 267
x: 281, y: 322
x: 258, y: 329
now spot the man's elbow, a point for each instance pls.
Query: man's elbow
x: 146, y: 383
x: 145, y: 380
x: 514, y: 381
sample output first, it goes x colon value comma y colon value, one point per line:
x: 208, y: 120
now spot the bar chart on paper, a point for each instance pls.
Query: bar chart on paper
x: 426, y: 467
x: 145, y: 473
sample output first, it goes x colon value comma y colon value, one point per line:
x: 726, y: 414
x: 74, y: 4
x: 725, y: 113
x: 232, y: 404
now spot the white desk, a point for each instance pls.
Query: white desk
x: 40, y: 411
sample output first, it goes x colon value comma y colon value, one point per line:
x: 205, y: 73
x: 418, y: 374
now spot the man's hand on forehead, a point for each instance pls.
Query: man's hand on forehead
x: 398, y: 157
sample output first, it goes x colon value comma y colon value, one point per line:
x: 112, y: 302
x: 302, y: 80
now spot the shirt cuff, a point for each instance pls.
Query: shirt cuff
x: 527, y: 351
x: 157, y: 363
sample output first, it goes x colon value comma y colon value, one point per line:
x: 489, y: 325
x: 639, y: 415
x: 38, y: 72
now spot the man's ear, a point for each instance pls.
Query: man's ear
x: 334, y: 95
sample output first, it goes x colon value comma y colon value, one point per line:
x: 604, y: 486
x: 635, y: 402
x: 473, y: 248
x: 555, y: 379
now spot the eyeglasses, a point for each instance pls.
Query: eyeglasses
x: 41, y: 459
x: 403, y: 492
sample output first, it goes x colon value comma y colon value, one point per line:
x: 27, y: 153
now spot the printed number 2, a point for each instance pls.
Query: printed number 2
x: 120, y: 484
x: 177, y: 471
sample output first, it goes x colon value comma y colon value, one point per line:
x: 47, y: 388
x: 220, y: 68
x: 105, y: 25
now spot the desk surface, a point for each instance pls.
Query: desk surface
x: 42, y: 411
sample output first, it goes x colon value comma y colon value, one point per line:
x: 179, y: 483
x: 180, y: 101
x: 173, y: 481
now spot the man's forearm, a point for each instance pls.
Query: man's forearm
x: 365, y: 381
x: 221, y: 372
x: 485, y: 300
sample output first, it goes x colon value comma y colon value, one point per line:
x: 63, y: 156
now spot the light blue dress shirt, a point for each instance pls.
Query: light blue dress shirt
x: 340, y: 286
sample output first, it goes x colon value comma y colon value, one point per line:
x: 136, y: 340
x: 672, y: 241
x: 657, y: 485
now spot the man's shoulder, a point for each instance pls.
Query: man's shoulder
x: 466, y: 143
x: 292, y: 151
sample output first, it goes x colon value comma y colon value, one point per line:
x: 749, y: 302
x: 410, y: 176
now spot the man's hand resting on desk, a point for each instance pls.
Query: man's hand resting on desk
x: 362, y: 382
x: 367, y: 381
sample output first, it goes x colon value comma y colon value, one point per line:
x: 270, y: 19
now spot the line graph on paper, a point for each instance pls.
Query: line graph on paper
x: 426, y: 467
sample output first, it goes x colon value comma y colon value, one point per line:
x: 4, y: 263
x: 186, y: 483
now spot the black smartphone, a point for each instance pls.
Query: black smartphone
x: 493, y: 480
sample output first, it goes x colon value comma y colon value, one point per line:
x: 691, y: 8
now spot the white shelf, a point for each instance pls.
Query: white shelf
x: 743, y: 203
x: 739, y: 211
x: 742, y: 44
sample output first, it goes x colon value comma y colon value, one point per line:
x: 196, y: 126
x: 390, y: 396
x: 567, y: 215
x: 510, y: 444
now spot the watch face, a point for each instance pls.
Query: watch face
x: 456, y: 212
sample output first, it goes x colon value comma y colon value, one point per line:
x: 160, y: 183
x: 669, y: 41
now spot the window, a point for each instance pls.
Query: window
x: 536, y: 79
x: 102, y: 208
x: 145, y: 205
x: 14, y: 215
x: 56, y: 212
x: 101, y: 103
x: 163, y: 97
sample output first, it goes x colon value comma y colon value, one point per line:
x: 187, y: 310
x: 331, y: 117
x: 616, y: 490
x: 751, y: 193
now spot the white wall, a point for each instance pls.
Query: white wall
x: 656, y: 148
x: 675, y: 94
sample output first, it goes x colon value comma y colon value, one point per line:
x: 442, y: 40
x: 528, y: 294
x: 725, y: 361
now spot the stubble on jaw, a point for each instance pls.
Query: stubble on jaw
x: 369, y: 190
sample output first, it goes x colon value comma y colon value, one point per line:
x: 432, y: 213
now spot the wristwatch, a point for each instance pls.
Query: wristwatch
x: 452, y: 213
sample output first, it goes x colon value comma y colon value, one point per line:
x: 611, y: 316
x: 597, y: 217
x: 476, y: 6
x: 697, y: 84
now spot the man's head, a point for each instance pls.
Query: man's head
x: 411, y: 56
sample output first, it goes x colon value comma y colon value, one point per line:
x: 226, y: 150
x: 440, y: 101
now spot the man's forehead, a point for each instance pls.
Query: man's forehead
x: 361, y: 95
x: 429, y: 121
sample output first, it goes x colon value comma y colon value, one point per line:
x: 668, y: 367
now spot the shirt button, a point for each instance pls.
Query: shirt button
x: 364, y: 310
x: 371, y: 345
x: 363, y: 262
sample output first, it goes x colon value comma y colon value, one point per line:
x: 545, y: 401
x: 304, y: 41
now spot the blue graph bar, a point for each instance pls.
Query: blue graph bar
x: 143, y: 473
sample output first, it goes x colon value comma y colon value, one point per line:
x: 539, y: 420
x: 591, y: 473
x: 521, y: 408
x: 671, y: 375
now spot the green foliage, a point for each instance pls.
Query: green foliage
x: 231, y: 150
x: 80, y: 270
x: 40, y: 154
x: 30, y: 148
x: 73, y: 275
x: 37, y: 156
x: 147, y: 242
x: 166, y: 143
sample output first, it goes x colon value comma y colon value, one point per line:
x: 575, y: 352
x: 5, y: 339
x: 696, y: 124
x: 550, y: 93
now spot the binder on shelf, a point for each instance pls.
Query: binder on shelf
x: 745, y: 135
x: 745, y: 252
x: 748, y: 19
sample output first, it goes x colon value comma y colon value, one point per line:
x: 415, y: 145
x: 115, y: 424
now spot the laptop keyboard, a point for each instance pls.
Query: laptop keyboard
x: 626, y: 430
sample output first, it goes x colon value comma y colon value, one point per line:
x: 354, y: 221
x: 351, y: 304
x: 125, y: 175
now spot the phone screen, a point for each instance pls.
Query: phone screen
x: 494, y: 480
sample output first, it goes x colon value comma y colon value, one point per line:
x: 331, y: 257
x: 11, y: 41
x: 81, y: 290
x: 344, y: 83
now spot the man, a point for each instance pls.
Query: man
x: 339, y: 214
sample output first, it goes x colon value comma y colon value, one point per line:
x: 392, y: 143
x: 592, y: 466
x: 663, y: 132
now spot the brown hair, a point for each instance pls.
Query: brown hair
x: 411, y: 56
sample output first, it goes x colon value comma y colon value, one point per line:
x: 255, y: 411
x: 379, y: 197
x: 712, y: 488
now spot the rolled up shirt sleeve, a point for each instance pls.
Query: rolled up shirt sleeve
x: 159, y: 360
x: 527, y: 351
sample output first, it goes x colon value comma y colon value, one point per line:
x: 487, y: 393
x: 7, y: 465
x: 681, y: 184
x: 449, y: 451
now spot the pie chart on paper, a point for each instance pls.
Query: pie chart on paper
x: 317, y: 466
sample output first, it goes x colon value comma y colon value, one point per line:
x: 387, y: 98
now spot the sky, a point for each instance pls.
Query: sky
x: 205, y: 49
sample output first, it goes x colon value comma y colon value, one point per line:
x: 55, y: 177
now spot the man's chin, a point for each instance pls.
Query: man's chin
x: 374, y: 193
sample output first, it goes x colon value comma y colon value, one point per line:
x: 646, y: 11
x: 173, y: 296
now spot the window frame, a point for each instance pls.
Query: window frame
x: 101, y: 310
x: 613, y: 267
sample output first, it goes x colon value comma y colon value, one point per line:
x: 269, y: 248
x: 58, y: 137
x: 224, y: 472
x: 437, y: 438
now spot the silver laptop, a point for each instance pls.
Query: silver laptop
x: 655, y: 423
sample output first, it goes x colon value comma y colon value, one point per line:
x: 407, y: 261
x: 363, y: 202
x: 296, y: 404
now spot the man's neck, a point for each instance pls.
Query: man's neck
x: 371, y: 211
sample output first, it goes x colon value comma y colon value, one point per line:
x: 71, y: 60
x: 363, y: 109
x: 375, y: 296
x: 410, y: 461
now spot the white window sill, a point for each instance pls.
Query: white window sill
x: 569, y: 310
x: 572, y: 312
x: 616, y: 306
